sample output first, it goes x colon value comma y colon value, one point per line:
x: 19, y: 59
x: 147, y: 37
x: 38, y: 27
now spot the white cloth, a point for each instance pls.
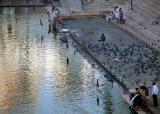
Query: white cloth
x: 132, y: 100
x: 117, y: 13
x: 114, y: 11
x: 155, y: 90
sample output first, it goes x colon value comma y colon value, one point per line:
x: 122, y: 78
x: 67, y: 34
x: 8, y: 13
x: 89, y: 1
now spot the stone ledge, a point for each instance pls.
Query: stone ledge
x: 90, y: 13
x: 85, y: 14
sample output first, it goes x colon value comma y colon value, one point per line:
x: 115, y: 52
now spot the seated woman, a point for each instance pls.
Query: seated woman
x: 114, y: 15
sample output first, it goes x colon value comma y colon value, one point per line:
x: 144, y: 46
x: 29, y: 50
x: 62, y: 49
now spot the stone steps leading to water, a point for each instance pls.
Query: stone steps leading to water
x: 102, y: 5
x: 74, y: 5
x: 140, y: 33
x: 148, y: 7
x: 139, y: 21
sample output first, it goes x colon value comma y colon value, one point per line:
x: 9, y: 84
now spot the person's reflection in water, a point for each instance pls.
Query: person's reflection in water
x: 97, y: 100
x: 112, y: 82
x: 34, y: 8
x: 74, y: 52
x: 49, y: 28
x: 0, y: 11
x: 97, y: 83
x: 67, y: 61
x: 9, y: 28
x: 16, y: 19
x: 67, y: 44
x: 42, y: 38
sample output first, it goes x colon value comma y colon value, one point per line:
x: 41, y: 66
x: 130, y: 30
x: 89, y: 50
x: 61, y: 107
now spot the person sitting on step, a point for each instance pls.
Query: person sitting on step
x: 103, y: 38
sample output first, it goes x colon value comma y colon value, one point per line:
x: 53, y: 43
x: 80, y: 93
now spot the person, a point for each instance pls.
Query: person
x: 135, y: 103
x: 53, y: 22
x: 143, y: 91
x: 97, y: 83
x: 49, y: 28
x: 97, y: 101
x: 154, y: 94
x: 121, y: 20
x: 53, y: 6
x: 137, y: 90
x: 59, y: 20
x: 103, y: 38
x: 115, y: 14
x: 67, y: 61
x: 132, y: 93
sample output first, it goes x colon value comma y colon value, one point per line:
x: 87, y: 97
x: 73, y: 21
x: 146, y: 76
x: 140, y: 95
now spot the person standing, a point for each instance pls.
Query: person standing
x: 117, y: 13
x: 155, y: 94
x: 54, y: 21
x: 121, y: 20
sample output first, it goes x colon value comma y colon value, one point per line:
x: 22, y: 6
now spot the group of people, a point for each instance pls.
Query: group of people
x: 117, y: 14
x: 53, y: 18
x: 140, y: 96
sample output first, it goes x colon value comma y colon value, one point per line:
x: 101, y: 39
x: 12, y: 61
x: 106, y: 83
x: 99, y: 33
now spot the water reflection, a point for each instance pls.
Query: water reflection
x: 21, y: 2
x: 42, y: 76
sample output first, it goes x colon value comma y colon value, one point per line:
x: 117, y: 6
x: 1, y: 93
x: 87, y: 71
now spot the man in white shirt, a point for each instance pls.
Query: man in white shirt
x: 154, y: 94
x: 117, y: 12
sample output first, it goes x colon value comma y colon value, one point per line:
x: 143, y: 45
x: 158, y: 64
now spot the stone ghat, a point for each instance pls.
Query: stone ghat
x: 144, y: 22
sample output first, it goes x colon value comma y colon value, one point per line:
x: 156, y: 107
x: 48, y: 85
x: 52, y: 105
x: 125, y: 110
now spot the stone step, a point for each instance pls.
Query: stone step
x: 148, y: 6
x: 144, y: 22
x: 138, y: 18
x: 66, y: 9
x: 145, y: 13
x: 154, y: 29
x: 141, y: 33
x: 74, y: 5
x: 102, y: 5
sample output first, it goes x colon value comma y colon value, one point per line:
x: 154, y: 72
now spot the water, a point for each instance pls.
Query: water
x: 35, y: 77
x: 22, y: 2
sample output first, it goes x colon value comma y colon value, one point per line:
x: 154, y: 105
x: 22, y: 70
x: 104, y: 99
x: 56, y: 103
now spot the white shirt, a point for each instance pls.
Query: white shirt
x: 132, y: 100
x: 117, y: 13
x: 155, y: 90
